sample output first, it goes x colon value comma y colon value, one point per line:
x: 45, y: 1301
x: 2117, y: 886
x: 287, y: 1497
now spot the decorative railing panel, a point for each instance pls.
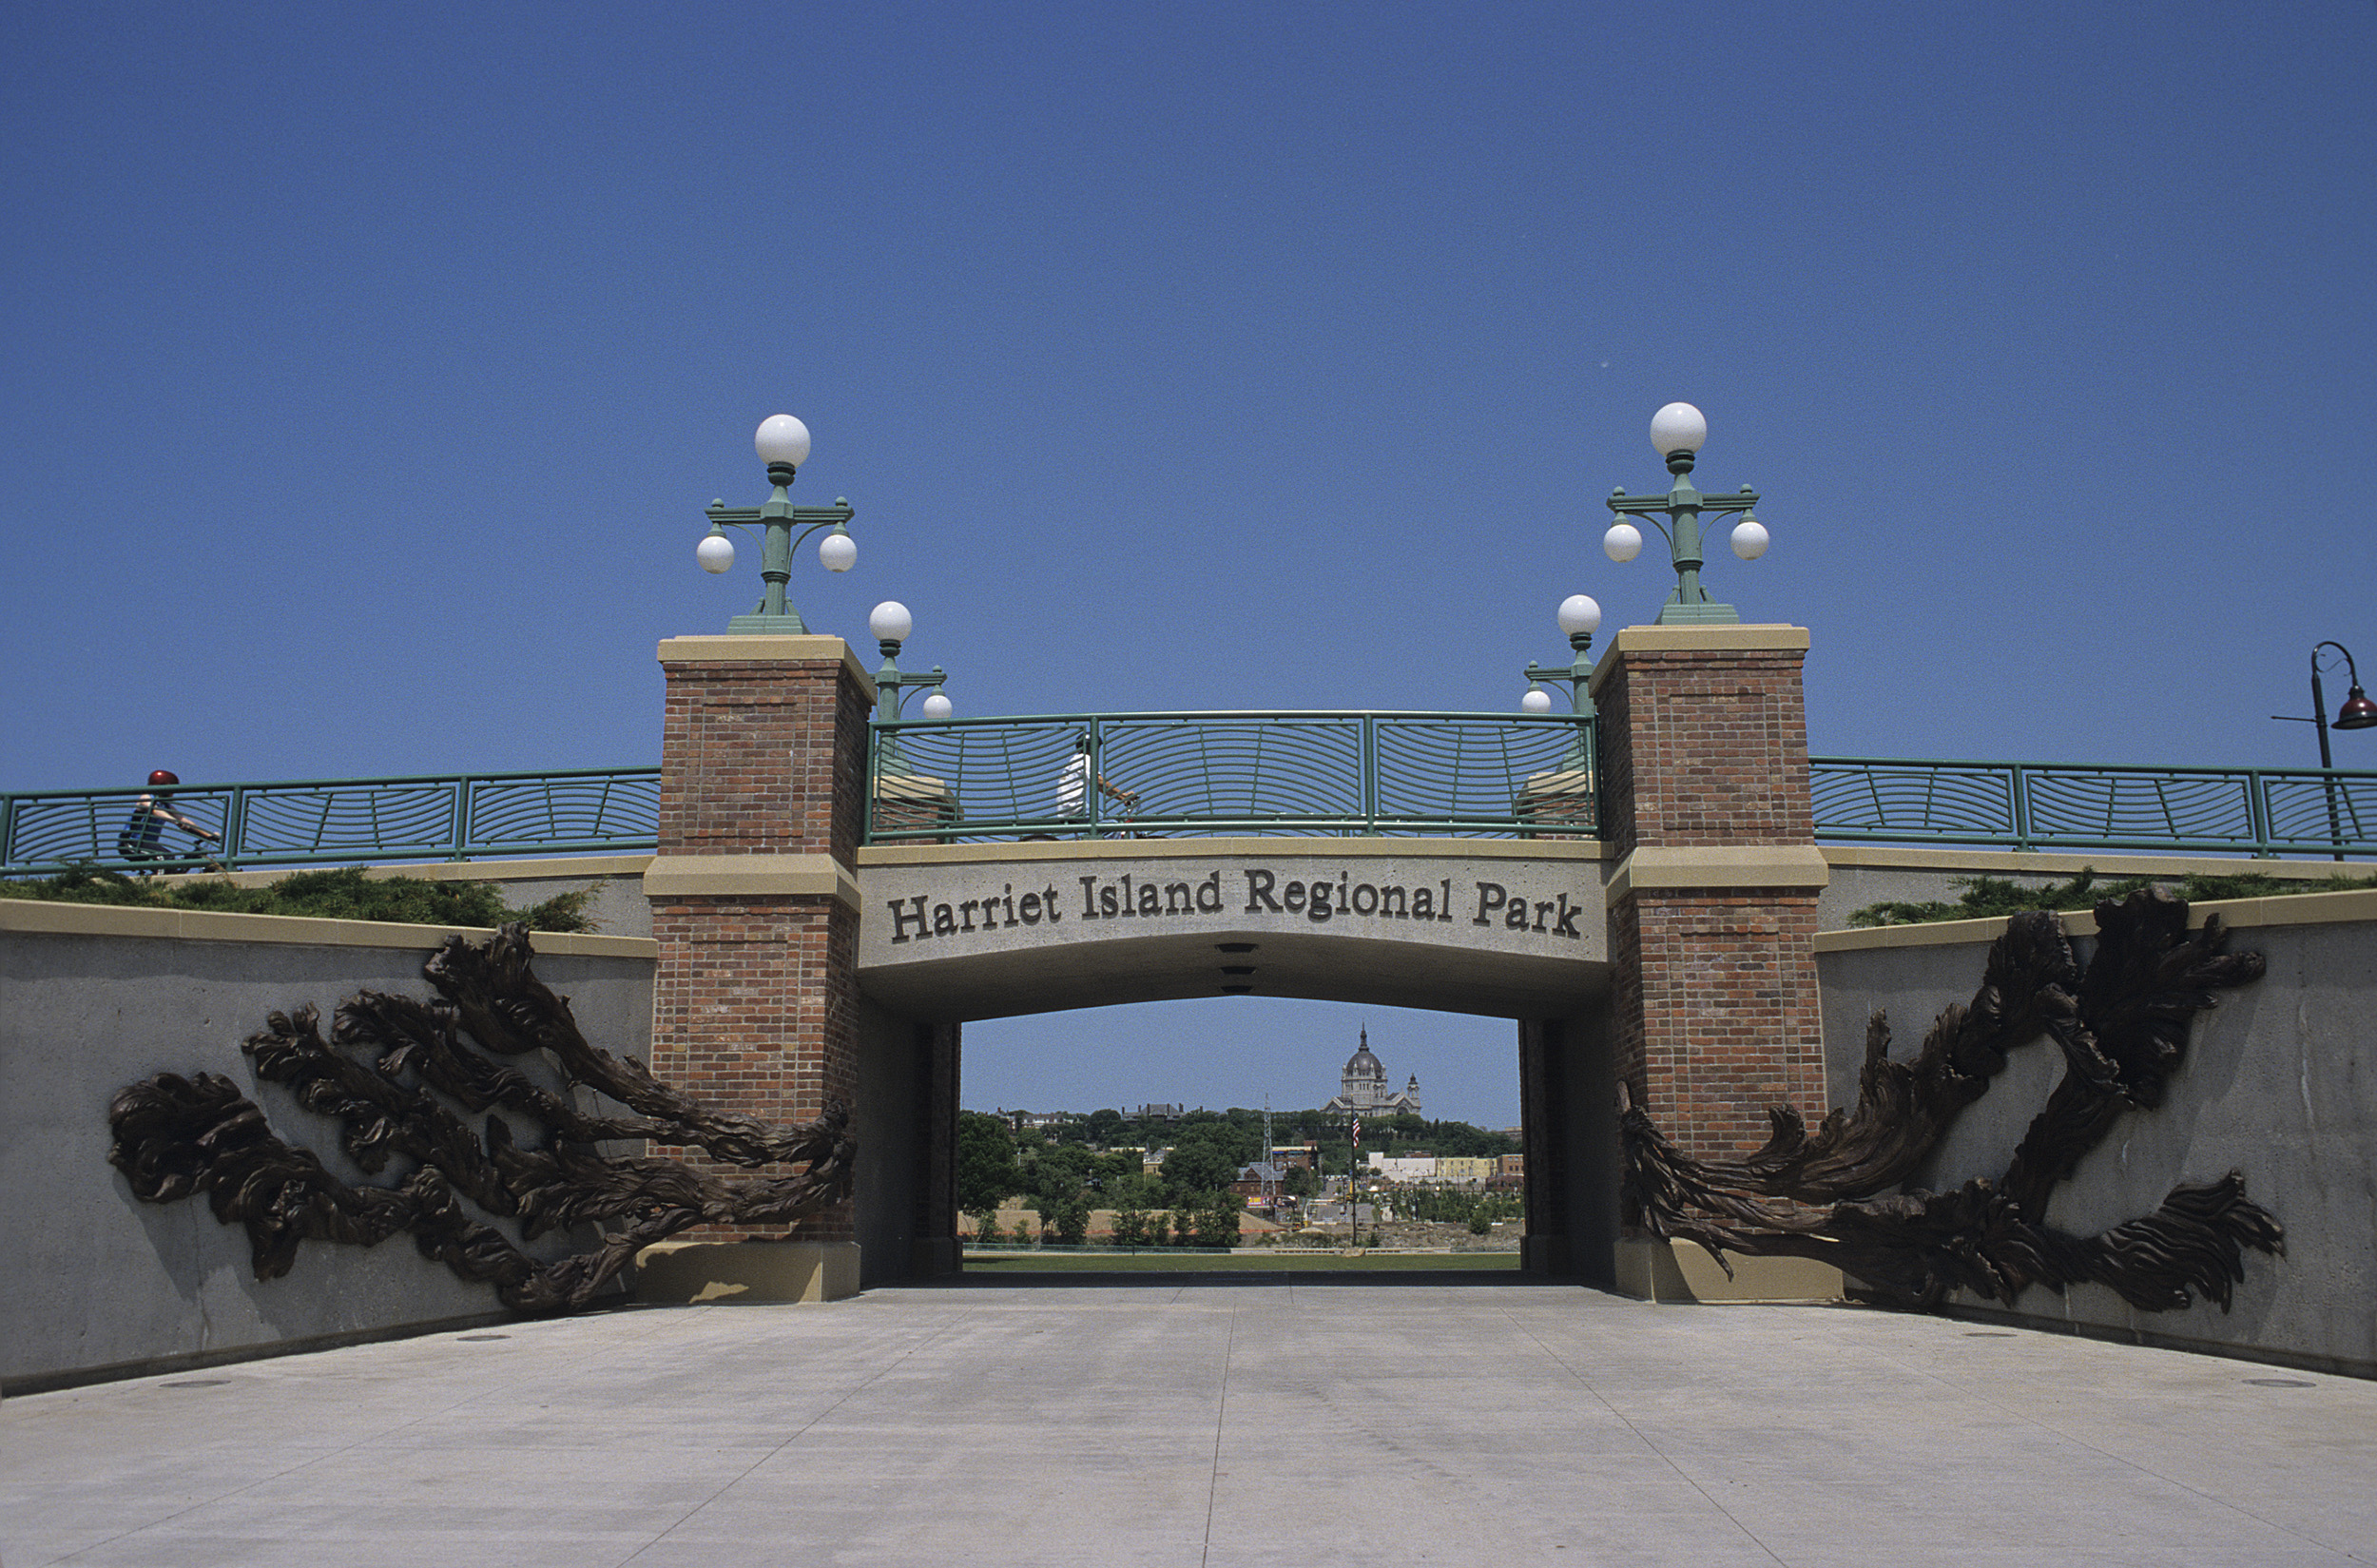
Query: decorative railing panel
x: 1489, y: 775
x: 339, y: 821
x: 1193, y: 774
x: 2042, y: 806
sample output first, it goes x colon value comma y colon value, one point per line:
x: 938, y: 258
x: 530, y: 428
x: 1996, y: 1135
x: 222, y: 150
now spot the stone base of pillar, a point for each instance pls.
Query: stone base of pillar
x: 1651, y: 1269
x: 691, y: 1273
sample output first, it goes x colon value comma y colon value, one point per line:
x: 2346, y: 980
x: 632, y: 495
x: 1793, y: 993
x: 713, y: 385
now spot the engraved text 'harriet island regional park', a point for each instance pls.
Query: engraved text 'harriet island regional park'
x: 920, y: 918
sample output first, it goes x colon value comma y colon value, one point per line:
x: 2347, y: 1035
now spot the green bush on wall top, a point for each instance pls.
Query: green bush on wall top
x: 346, y: 894
x: 1995, y: 898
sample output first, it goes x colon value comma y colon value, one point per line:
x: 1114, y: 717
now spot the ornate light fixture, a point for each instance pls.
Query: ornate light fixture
x: 1580, y: 618
x: 783, y: 443
x: 890, y: 624
x: 1677, y: 432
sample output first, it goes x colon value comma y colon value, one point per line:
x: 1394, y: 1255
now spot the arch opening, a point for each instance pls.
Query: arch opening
x: 1091, y: 1091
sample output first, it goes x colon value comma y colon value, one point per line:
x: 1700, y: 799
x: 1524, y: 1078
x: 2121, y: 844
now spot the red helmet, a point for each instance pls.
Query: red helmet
x: 164, y: 776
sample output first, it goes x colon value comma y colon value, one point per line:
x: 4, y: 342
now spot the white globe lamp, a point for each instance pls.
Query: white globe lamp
x: 1749, y: 538
x: 890, y: 621
x: 1537, y: 701
x: 716, y: 552
x: 1580, y: 615
x: 837, y: 552
x: 1678, y: 427
x: 781, y: 438
x: 1622, y: 543
x: 937, y: 706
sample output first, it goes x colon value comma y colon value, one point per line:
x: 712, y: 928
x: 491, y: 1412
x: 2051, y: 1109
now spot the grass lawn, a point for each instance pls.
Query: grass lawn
x: 1281, y: 1261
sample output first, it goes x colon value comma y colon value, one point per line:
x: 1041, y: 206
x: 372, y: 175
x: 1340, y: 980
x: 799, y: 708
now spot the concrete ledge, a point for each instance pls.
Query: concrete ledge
x: 1777, y: 866
x: 40, y: 917
x: 551, y: 869
x: 2356, y: 905
x: 1208, y: 849
x: 749, y: 1272
x: 2110, y: 864
x: 740, y: 649
x: 678, y: 876
x: 1651, y: 1269
x: 1697, y: 639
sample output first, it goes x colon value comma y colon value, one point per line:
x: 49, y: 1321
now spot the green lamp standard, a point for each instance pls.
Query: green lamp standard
x: 890, y: 623
x: 1676, y: 433
x: 783, y: 443
x: 2358, y: 712
x: 1579, y: 617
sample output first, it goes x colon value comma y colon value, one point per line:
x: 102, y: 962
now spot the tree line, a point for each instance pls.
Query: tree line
x: 1094, y: 1162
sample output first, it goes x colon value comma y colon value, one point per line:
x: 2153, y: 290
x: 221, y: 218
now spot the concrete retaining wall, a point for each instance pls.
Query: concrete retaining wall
x: 99, y: 1284
x: 2280, y: 1082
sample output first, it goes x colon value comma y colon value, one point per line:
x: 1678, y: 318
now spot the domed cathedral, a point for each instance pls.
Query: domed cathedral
x: 1365, y: 1088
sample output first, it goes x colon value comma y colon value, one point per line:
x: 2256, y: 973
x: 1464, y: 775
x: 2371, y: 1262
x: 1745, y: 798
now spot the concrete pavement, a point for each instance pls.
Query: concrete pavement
x: 1204, y: 1421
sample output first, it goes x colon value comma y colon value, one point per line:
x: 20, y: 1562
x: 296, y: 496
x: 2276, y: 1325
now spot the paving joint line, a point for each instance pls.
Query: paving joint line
x: 1221, y: 1412
x: 805, y: 1427
x: 1655, y: 1449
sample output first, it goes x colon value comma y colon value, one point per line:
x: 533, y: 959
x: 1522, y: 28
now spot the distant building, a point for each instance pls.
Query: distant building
x: 1465, y: 1170
x: 1253, y: 1180
x: 1403, y: 1166
x: 1364, y: 1091
x: 1160, y: 1112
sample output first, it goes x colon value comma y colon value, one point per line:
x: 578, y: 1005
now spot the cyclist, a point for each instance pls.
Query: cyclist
x: 144, y: 832
x: 1073, y: 785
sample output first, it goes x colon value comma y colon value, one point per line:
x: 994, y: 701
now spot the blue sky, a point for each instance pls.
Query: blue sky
x: 370, y: 367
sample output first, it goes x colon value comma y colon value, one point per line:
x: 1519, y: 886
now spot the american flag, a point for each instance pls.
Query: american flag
x: 1357, y: 1131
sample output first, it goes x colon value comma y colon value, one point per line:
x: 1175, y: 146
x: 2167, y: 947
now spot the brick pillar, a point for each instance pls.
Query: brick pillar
x: 1712, y: 902
x: 754, y: 900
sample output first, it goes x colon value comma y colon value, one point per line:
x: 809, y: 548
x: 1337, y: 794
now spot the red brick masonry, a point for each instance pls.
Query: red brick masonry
x: 755, y: 998
x: 1715, y: 986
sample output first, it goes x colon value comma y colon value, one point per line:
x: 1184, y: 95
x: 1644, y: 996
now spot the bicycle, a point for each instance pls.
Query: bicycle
x: 142, y: 844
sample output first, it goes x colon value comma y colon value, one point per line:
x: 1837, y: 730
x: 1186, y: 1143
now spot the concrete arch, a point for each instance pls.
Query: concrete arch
x: 953, y: 934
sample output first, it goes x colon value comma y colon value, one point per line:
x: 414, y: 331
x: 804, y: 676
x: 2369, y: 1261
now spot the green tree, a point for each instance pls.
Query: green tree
x: 1069, y: 1219
x: 987, y: 1172
x: 1159, y: 1229
x: 1214, y: 1222
x: 1130, y: 1227
x: 1104, y: 1126
x: 1298, y: 1182
x: 1201, y: 1166
x: 1132, y: 1192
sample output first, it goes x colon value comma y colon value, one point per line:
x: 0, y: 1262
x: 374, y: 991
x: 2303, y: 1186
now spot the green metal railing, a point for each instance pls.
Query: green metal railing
x: 344, y: 821
x: 2258, y: 811
x: 1195, y: 774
